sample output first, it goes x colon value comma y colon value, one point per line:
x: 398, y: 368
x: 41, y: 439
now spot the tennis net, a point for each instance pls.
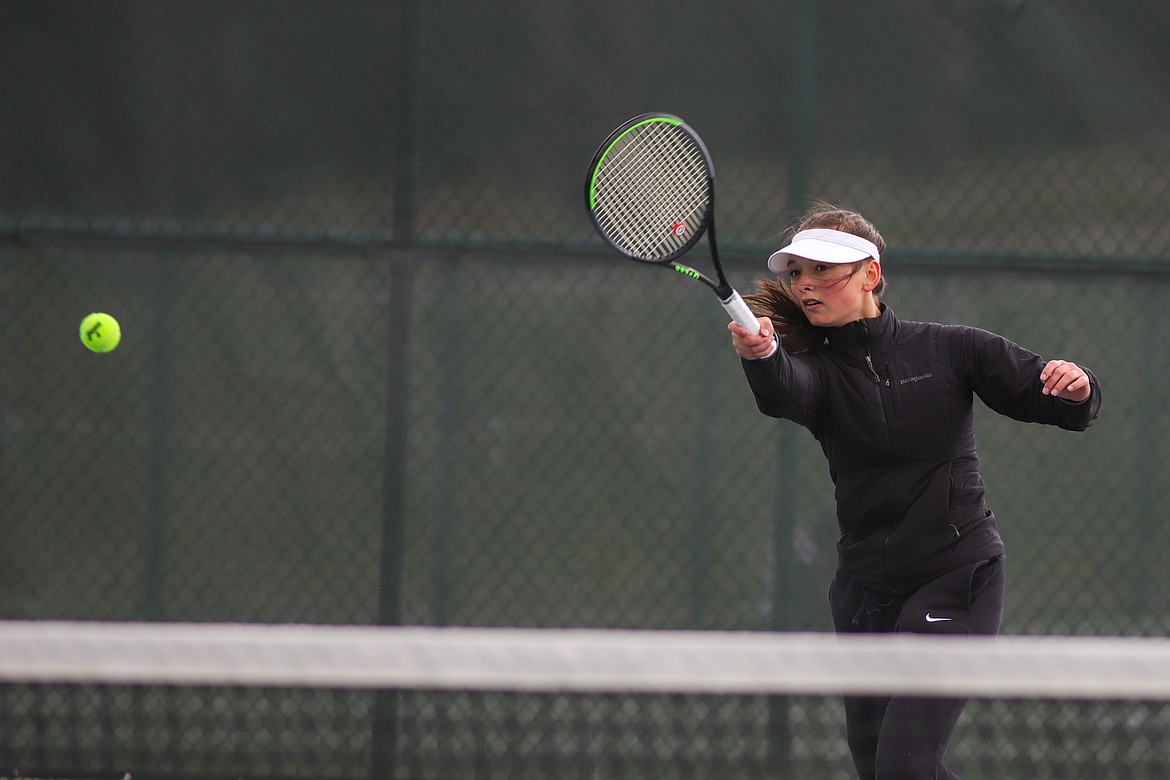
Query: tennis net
x: 284, y: 701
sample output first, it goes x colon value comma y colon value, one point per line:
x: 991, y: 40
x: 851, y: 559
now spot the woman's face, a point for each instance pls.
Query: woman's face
x: 833, y: 295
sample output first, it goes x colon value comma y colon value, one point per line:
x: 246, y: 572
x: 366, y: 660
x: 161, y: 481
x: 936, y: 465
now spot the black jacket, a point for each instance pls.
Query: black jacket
x: 890, y: 402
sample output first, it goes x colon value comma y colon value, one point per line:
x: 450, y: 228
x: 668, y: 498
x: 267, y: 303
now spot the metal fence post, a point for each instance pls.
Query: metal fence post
x: 160, y: 419
x: 385, y: 722
x: 801, y: 90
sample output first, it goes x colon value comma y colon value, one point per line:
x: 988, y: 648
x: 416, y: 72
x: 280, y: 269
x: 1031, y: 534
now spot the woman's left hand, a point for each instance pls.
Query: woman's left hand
x: 1065, y: 379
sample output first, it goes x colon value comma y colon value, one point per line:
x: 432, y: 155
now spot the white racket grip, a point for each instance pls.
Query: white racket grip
x: 740, y: 312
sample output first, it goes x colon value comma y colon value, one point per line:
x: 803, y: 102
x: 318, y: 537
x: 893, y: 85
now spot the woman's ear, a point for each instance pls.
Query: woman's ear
x: 873, y: 275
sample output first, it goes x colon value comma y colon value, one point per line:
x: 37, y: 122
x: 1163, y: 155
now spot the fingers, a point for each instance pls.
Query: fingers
x: 752, y: 347
x: 1064, y: 379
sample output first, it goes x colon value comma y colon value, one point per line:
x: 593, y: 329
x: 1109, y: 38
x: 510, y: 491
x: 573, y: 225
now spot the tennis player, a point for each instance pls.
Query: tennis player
x: 890, y: 402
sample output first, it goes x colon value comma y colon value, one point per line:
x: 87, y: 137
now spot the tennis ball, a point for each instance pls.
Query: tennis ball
x: 100, y: 332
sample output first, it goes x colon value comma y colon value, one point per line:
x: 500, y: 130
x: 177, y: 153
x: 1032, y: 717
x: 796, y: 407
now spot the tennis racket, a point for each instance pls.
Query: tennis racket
x: 650, y: 192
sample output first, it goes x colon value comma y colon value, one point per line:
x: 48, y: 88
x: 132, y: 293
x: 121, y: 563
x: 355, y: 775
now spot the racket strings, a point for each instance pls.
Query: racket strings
x: 660, y: 183
x: 652, y: 193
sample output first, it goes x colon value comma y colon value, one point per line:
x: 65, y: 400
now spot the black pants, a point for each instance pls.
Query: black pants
x: 904, y: 738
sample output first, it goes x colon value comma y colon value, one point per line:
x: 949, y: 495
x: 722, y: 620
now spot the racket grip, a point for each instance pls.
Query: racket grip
x: 740, y: 312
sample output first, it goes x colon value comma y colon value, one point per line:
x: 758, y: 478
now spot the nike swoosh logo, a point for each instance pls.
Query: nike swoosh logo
x: 932, y: 619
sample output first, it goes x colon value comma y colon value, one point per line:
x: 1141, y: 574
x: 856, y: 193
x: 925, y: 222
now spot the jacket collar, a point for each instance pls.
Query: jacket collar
x: 868, y: 334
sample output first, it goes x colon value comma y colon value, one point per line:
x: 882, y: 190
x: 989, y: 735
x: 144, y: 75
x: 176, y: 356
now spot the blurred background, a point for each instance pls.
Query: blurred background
x: 376, y: 367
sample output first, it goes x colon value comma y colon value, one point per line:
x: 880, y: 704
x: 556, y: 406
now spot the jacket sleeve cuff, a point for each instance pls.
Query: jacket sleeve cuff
x: 772, y: 351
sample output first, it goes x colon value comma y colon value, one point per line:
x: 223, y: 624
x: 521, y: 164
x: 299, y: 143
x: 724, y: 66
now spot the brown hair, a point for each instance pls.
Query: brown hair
x: 773, y: 297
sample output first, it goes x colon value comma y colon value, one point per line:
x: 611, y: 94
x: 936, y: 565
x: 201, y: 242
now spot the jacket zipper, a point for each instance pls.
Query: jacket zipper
x: 886, y: 424
x: 868, y: 357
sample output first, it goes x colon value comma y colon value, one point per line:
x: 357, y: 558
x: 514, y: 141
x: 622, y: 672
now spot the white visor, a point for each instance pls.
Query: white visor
x: 824, y: 246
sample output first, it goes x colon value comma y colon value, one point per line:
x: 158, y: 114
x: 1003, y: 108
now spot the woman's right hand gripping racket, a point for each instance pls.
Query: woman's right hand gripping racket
x: 650, y: 192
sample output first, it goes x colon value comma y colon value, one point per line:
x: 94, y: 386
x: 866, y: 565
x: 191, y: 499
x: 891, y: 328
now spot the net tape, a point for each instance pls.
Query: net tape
x: 583, y: 660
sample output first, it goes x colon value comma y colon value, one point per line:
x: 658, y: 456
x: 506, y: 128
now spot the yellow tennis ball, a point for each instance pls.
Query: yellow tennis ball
x: 100, y: 332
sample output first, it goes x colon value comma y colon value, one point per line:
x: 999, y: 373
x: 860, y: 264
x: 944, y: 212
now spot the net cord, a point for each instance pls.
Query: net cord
x: 582, y: 660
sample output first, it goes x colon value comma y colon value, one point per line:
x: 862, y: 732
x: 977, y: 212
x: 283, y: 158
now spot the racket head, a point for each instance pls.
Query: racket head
x: 650, y: 189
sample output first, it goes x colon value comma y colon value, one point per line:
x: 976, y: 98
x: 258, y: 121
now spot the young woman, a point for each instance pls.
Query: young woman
x: 890, y: 402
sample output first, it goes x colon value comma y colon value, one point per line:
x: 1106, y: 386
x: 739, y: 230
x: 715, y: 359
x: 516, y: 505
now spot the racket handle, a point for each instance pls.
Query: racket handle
x: 740, y: 312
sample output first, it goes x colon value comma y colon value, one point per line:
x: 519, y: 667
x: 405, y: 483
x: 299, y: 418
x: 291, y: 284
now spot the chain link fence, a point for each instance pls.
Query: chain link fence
x: 377, y: 369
